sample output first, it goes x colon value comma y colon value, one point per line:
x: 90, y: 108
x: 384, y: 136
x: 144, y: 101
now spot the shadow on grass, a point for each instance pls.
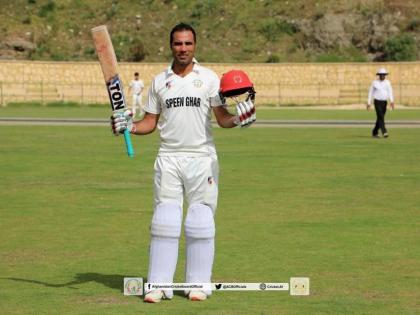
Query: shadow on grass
x: 111, y: 281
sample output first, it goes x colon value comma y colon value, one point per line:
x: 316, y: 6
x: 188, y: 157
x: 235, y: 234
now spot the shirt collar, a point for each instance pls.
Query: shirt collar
x: 170, y: 72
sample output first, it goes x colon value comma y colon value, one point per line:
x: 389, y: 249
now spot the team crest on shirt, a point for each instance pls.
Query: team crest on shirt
x: 210, y: 180
x: 197, y: 83
x: 168, y: 84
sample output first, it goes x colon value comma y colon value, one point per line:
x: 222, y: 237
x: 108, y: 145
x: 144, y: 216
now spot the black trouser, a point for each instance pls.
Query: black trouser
x: 380, y: 108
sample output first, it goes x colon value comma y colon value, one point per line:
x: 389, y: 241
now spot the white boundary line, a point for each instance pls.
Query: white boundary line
x: 259, y: 123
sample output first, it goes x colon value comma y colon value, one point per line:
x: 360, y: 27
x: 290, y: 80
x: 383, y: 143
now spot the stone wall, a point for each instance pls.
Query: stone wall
x: 285, y: 83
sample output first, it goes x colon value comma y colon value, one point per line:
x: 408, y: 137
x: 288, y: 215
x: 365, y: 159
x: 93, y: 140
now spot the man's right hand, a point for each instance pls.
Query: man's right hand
x: 121, y: 121
x: 392, y: 106
x: 368, y: 107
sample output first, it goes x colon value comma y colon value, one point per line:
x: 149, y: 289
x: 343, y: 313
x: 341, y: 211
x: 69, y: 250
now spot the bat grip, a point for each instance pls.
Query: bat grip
x: 128, y: 144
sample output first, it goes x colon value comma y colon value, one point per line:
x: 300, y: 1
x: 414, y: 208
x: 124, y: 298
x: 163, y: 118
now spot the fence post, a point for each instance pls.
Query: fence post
x: 319, y: 93
x: 401, y: 99
x: 1, y: 94
x: 338, y: 94
x: 42, y: 92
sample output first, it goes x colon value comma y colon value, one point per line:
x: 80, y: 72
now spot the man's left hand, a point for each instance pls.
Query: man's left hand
x: 246, y: 114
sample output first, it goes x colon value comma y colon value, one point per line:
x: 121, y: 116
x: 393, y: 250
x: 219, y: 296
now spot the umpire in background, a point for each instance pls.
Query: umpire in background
x: 380, y: 90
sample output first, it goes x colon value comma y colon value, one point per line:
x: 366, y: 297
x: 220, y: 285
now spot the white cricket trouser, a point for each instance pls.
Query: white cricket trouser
x: 196, y: 177
x: 137, y: 103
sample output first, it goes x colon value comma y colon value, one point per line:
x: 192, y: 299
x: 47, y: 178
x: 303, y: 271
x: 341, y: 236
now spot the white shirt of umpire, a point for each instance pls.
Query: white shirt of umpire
x: 185, y: 105
x: 381, y: 91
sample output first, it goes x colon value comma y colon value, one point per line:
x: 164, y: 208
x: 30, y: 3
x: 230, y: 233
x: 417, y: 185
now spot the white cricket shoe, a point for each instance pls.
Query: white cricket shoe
x: 154, y: 296
x: 197, y: 295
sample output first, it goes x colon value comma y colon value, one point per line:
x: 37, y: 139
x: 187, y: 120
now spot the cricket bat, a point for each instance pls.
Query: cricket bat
x: 108, y: 61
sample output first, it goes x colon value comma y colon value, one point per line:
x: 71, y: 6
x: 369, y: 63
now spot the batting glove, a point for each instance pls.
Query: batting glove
x: 121, y: 121
x: 245, y: 113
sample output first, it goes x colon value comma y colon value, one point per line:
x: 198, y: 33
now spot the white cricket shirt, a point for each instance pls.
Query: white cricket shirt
x: 380, y: 90
x: 184, y: 105
x: 136, y: 86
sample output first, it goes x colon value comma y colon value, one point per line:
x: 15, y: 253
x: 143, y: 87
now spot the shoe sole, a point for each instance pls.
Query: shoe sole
x: 196, y: 299
x: 151, y: 300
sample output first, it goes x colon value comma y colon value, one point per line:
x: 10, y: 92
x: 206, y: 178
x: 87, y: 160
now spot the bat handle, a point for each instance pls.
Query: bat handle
x: 128, y: 144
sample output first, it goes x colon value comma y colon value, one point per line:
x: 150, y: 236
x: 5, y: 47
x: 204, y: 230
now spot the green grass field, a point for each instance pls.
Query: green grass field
x: 265, y: 113
x: 331, y: 204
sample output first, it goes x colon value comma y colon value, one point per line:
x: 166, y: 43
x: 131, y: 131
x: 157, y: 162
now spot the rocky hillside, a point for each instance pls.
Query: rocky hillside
x: 228, y: 31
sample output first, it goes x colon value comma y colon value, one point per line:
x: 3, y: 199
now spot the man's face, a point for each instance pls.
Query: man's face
x: 382, y: 77
x: 136, y: 77
x: 183, y: 47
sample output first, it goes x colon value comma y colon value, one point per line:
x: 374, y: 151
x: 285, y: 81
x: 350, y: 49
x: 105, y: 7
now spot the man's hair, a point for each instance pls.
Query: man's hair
x: 181, y: 27
x: 136, y: 73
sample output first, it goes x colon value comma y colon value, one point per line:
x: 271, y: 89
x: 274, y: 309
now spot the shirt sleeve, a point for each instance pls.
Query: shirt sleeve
x: 214, y: 97
x: 370, y: 94
x: 153, y: 105
x: 391, y: 94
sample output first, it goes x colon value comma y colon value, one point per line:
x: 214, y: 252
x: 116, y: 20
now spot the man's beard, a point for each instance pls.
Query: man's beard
x: 184, y: 61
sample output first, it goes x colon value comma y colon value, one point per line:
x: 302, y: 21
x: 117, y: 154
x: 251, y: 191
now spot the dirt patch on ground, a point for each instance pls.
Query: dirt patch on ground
x: 104, y: 300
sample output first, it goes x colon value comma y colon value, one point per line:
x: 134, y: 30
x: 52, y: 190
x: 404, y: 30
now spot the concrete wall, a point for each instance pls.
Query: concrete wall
x: 301, y: 83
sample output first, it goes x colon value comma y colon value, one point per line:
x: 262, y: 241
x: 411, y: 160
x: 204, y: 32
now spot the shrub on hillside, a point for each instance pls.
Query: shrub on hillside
x: 414, y: 25
x: 400, y: 48
x: 137, y: 52
x: 271, y: 29
x: 273, y: 59
x: 46, y: 9
x: 203, y: 8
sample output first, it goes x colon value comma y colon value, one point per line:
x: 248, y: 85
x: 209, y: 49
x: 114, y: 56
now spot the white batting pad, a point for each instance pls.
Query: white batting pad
x: 166, y: 221
x: 165, y: 230
x: 199, y: 232
x: 200, y: 257
x: 199, y: 222
x: 162, y: 261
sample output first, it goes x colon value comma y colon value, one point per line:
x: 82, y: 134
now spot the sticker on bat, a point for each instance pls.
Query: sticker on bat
x: 115, y: 93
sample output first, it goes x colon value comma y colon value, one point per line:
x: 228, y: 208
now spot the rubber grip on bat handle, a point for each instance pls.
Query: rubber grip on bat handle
x: 128, y: 144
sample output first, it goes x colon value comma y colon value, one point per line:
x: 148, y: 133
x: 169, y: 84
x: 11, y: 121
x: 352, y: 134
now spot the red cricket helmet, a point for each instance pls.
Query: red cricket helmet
x: 235, y: 82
